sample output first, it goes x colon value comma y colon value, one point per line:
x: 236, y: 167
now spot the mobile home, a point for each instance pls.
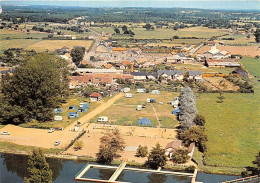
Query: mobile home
x: 102, y: 119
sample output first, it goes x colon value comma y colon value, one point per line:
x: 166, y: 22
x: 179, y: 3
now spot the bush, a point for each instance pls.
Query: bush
x: 200, y: 120
x: 190, y: 169
x: 180, y: 155
x: 78, y: 145
x: 142, y: 151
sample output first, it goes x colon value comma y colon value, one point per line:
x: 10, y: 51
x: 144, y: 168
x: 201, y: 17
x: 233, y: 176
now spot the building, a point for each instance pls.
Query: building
x: 92, y: 70
x: 214, y: 53
x: 178, y: 58
x: 141, y: 76
x: 241, y: 72
x: 171, y: 147
x: 170, y: 74
x: 222, y: 63
x: 194, y: 75
x: 94, y: 97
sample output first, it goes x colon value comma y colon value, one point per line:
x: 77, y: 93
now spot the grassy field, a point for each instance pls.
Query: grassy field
x: 52, y: 45
x: 239, y: 39
x: 232, y: 128
x: 124, y: 112
x: 252, y: 65
x: 12, y: 34
x: 17, y: 43
x: 141, y: 33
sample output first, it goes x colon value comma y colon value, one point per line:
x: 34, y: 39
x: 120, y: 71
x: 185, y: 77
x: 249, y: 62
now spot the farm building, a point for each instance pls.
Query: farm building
x: 144, y: 121
x: 170, y: 74
x: 157, y: 92
x: 94, y: 97
x: 194, y: 75
x: 241, y: 72
x: 222, y: 63
x: 214, y: 53
x: 171, y: 147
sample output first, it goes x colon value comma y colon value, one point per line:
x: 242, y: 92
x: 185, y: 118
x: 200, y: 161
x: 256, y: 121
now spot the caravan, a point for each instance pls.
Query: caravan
x: 102, y: 119
x: 128, y: 95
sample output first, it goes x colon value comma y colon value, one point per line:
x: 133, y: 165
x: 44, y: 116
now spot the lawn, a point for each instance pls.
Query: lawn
x: 232, y: 128
x: 52, y: 45
x: 12, y: 34
x: 163, y: 33
x: 124, y: 112
x: 17, y: 43
x: 239, y: 39
x: 252, y: 65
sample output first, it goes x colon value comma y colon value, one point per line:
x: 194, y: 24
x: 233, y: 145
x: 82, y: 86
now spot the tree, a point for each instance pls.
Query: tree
x: 77, y: 55
x: 117, y: 31
x: 34, y: 89
x: 157, y: 157
x: 188, y: 110
x: 38, y: 168
x: 196, y: 134
x: 180, y: 155
x: 257, y: 163
x: 142, y: 151
x: 148, y: 27
x: 78, y: 145
x: 111, y: 144
x: 124, y: 28
x: 200, y: 120
x: 257, y: 35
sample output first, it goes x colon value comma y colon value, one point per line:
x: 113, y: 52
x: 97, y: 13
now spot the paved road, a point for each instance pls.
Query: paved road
x: 92, y: 52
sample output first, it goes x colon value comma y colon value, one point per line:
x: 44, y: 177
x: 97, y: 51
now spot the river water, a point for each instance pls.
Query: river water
x: 14, y: 167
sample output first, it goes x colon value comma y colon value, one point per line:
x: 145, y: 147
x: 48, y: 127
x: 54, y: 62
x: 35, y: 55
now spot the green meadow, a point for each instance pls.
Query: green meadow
x: 252, y: 65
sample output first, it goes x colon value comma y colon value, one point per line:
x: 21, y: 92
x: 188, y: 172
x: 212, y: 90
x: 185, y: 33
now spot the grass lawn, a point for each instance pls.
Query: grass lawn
x: 52, y: 45
x: 252, y: 65
x: 19, y: 34
x: 232, y: 128
x: 16, y: 43
x: 239, y: 39
x: 124, y: 112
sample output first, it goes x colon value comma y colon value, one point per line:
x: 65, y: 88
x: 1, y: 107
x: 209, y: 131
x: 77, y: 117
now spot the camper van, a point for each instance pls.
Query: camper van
x: 128, y: 95
x: 102, y: 119
x: 140, y: 90
x: 58, y: 118
x: 125, y: 90
x: 139, y: 107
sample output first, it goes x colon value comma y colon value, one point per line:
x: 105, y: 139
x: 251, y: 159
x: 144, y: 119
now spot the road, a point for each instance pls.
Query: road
x: 92, y: 52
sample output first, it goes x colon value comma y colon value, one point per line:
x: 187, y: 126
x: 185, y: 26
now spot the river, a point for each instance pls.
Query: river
x: 14, y: 167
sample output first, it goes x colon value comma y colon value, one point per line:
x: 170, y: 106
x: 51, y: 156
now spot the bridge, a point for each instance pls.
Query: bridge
x: 252, y: 179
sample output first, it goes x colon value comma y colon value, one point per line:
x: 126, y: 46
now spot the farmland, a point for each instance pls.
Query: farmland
x: 252, y: 65
x: 232, y: 128
x: 52, y: 45
x: 124, y: 112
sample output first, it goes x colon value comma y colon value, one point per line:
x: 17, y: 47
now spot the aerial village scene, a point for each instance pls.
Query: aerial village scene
x: 142, y: 92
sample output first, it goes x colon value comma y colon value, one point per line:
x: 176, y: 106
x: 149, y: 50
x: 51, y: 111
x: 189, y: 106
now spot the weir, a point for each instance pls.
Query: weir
x: 118, y: 171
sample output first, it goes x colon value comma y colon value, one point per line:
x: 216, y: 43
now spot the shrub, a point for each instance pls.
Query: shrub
x: 142, y: 151
x: 78, y: 145
x: 200, y: 120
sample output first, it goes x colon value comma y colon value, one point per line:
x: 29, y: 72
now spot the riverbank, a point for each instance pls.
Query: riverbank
x: 10, y: 148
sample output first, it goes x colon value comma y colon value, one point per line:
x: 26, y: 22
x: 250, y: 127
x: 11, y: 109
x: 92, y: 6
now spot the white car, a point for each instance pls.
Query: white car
x: 51, y: 130
x: 57, y: 143
x: 5, y: 133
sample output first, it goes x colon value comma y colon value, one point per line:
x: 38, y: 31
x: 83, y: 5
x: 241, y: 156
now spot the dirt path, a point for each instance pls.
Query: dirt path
x: 96, y: 111
x: 159, y: 124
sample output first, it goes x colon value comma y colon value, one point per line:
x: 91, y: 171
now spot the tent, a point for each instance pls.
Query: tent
x: 176, y: 111
x: 73, y: 115
x: 144, y: 121
x: 72, y: 107
x: 156, y: 92
x: 57, y: 110
x: 82, y: 109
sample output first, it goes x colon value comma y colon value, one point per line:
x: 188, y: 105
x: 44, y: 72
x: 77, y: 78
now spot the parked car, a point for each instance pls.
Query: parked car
x: 5, y: 133
x: 57, y: 143
x: 51, y: 130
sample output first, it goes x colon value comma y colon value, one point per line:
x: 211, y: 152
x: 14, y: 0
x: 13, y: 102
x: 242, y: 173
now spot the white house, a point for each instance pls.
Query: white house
x: 170, y: 74
x: 171, y: 147
x: 195, y: 75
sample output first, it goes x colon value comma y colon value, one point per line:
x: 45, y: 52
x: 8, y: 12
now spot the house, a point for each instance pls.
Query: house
x: 94, y: 97
x: 65, y: 49
x: 241, y: 72
x: 178, y: 58
x: 170, y: 74
x: 141, y: 76
x: 214, y: 53
x: 194, y: 75
x: 171, y: 147
x: 222, y: 63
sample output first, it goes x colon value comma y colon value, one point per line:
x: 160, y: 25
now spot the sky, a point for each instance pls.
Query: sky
x: 204, y: 4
